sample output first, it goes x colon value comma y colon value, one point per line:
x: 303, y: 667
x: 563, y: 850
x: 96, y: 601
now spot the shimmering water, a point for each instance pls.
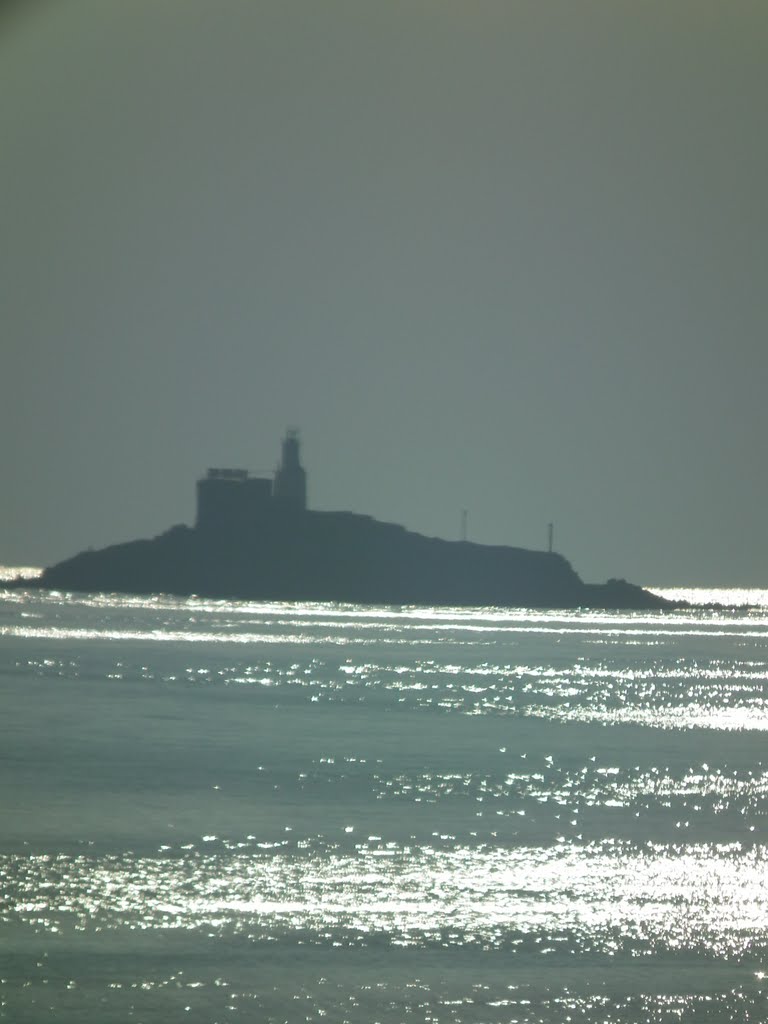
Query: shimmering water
x: 219, y: 812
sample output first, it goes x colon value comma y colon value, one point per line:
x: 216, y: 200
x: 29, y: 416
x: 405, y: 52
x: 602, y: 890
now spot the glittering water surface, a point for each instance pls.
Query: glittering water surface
x: 219, y: 811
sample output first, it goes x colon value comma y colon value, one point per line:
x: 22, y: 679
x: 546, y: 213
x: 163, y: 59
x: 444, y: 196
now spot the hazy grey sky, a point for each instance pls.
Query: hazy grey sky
x: 504, y: 256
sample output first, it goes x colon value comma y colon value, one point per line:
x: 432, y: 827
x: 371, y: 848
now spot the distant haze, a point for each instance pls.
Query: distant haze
x: 502, y: 256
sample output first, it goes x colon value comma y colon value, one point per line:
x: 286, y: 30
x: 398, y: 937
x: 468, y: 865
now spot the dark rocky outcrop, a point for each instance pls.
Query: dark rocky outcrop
x: 338, y: 556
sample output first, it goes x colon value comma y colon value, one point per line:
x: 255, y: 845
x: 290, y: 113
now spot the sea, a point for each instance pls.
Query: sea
x: 219, y: 811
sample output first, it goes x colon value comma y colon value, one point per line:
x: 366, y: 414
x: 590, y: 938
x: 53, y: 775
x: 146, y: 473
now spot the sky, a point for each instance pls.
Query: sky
x: 506, y: 256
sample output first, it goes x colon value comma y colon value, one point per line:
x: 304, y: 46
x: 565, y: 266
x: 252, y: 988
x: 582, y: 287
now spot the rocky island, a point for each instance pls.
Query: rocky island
x: 255, y: 539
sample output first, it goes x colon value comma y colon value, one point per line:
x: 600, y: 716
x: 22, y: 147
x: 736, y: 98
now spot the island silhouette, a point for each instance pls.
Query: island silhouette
x: 255, y: 539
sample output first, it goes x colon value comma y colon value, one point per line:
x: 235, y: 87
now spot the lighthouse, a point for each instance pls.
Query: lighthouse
x: 290, y: 485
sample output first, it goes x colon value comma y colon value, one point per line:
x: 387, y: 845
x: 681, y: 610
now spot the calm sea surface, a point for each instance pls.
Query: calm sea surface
x: 221, y: 812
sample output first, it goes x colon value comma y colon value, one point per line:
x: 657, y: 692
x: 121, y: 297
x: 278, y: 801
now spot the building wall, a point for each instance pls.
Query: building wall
x: 230, y: 502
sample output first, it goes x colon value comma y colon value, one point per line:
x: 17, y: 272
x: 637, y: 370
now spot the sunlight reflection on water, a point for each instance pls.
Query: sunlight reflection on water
x: 493, y: 814
x: 598, y: 897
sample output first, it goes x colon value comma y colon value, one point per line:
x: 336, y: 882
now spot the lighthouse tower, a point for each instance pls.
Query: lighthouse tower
x: 290, y: 485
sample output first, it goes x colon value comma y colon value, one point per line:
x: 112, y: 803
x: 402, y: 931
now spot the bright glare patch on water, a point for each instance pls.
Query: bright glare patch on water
x: 607, y: 897
x: 14, y: 572
x: 730, y: 597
